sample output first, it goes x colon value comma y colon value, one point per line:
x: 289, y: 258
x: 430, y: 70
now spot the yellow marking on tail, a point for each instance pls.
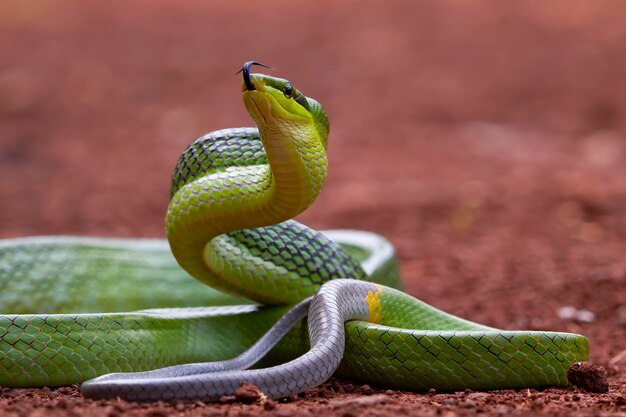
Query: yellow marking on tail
x: 373, y: 304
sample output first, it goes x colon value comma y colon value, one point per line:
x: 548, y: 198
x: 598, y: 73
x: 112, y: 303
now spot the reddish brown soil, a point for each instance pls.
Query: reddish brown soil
x: 485, y: 139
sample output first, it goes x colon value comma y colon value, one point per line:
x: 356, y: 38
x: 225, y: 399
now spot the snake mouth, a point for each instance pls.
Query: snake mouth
x: 246, y: 73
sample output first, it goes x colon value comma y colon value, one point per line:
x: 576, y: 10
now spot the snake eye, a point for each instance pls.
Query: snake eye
x: 287, y: 90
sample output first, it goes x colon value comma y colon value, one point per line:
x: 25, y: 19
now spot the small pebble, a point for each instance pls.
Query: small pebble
x: 478, y: 396
x: 570, y: 313
x: 588, y: 377
x: 450, y: 401
x: 366, y: 390
x: 469, y: 404
x: 537, y: 404
x: 269, y: 405
x: 248, y: 393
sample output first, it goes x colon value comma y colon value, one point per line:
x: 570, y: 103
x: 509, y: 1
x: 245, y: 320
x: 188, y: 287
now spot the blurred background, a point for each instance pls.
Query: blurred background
x: 485, y: 139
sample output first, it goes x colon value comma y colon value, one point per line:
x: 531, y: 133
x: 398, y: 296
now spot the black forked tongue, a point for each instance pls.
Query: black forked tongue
x: 246, y: 73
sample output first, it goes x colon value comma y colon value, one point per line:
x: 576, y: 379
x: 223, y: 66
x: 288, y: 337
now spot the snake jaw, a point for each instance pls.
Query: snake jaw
x: 256, y: 114
x: 268, y: 112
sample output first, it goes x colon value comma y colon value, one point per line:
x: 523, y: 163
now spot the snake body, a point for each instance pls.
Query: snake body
x: 233, y: 193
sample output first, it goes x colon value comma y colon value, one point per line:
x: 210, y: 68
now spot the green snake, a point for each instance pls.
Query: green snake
x: 78, y: 308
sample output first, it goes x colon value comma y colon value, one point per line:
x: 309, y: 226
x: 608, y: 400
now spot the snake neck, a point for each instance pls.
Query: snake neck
x: 244, y: 197
x: 297, y: 172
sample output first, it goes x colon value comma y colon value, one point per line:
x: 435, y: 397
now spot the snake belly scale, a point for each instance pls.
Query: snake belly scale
x: 75, y: 309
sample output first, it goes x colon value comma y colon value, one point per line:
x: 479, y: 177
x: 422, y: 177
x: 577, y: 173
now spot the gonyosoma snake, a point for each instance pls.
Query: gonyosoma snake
x: 233, y: 193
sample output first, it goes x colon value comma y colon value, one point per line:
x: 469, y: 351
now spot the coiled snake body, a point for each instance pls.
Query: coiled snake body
x: 233, y: 193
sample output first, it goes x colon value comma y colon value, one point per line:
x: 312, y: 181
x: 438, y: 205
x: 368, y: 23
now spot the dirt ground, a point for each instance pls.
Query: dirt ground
x: 486, y: 140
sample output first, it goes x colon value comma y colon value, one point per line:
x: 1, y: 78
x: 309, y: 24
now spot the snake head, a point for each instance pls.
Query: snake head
x: 275, y: 102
